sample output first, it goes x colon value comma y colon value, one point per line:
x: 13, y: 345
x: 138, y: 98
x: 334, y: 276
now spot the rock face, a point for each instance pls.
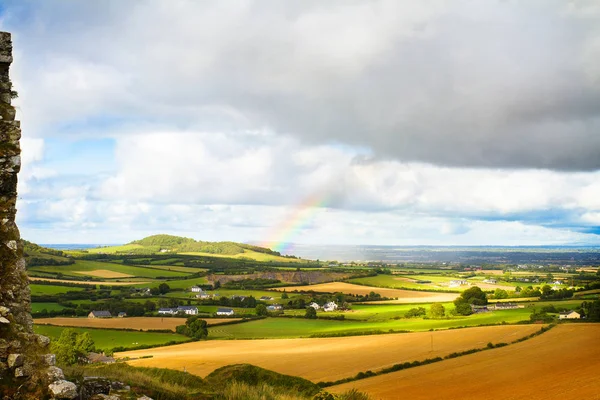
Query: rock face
x: 22, y: 371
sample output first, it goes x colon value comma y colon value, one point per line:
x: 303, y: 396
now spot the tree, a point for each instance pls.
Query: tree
x: 163, y: 288
x: 216, y: 285
x: 261, y: 310
x: 500, y: 294
x: 471, y: 296
x: 194, y: 327
x: 437, y: 310
x: 311, y: 313
x: 284, y: 295
x: 71, y: 347
x: 415, y: 312
x: 518, y: 289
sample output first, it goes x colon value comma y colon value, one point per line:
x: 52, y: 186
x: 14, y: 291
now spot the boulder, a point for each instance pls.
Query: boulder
x: 63, y: 390
x: 21, y: 372
x: 94, y: 385
x: 49, y: 359
x: 42, y: 340
x: 55, y: 374
x: 120, y: 386
x: 4, y: 321
x: 4, y: 311
x: 15, y: 360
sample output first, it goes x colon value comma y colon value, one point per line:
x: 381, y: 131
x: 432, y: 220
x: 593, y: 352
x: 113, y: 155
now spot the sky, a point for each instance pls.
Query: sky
x: 339, y: 122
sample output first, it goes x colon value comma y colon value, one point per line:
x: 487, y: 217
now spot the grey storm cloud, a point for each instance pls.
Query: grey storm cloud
x: 501, y: 84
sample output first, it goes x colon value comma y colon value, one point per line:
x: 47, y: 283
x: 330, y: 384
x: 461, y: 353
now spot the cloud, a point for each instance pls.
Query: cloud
x: 503, y: 84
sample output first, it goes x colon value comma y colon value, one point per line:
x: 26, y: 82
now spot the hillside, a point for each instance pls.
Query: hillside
x: 36, y: 255
x: 181, y: 245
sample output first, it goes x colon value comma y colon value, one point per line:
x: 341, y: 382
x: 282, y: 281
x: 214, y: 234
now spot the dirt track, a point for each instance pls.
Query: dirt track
x: 403, y: 296
x: 324, y: 358
x: 144, y: 323
x: 559, y: 364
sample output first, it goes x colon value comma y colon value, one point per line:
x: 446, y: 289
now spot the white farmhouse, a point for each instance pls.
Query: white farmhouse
x: 314, y: 305
x: 189, y: 310
x: 196, y: 289
x: 331, y: 306
x: 225, y: 311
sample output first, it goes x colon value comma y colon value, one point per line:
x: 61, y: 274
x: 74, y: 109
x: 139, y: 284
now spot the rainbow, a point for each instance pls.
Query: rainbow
x: 302, y: 215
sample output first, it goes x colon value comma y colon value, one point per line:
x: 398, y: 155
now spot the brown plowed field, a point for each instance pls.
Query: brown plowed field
x: 144, y: 323
x: 324, y: 359
x: 104, y: 273
x: 403, y: 296
x: 559, y: 364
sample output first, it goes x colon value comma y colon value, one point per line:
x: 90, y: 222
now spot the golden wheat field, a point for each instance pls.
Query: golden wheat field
x: 143, y: 323
x: 402, y: 296
x: 104, y: 273
x: 326, y: 359
x: 559, y: 364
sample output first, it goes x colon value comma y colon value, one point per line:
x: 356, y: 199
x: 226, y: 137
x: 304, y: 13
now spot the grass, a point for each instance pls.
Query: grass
x: 399, y: 282
x: 37, y: 290
x: 257, y: 294
x: 37, y: 307
x: 107, y: 339
x: 84, y: 265
x: 299, y: 327
x: 178, y: 284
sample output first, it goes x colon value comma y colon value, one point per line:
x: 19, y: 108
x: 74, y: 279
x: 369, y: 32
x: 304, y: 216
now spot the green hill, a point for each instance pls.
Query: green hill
x: 178, y: 244
x: 36, y: 255
x: 167, y: 244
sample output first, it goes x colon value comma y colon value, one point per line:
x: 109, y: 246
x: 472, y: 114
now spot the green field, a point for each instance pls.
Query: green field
x: 178, y: 284
x: 37, y: 307
x: 81, y: 266
x: 106, y: 339
x: 400, y: 282
x: 37, y: 290
x: 257, y: 294
x: 297, y: 327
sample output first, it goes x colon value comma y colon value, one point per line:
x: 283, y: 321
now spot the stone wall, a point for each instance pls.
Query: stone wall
x: 23, y: 362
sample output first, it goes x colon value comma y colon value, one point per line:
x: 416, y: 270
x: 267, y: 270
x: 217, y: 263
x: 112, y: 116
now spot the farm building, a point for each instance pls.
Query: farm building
x: 189, y: 310
x: 314, y: 305
x: 122, y: 314
x: 275, y: 307
x: 491, y: 281
x: 100, y: 314
x: 203, y: 295
x: 196, y: 289
x: 569, y: 315
x: 167, y: 311
x: 93, y: 358
x: 225, y: 311
x: 506, y: 306
x: 266, y: 298
x: 331, y: 306
x: 457, y: 283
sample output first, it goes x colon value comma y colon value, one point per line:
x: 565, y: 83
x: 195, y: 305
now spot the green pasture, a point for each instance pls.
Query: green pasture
x: 38, y: 290
x: 400, y: 282
x: 81, y: 266
x: 257, y: 294
x: 297, y: 327
x: 178, y: 284
x: 106, y: 339
x: 37, y: 307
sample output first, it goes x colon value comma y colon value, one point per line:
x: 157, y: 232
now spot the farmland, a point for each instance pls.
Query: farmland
x: 403, y: 296
x: 106, y: 270
x: 529, y: 367
x: 107, y: 339
x: 325, y: 358
x: 137, y: 323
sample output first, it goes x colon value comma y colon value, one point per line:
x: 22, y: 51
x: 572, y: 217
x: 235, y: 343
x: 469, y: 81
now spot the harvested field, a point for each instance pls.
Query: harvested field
x: 559, y: 364
x: 403, y: 296
x: 143, y: 323
x: 109, y: 283
x: 324, y: 359
x: 104, y: 273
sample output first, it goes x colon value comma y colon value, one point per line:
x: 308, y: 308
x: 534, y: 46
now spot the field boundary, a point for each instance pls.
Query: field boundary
x: 404, y: 288
x: 409, y: 364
